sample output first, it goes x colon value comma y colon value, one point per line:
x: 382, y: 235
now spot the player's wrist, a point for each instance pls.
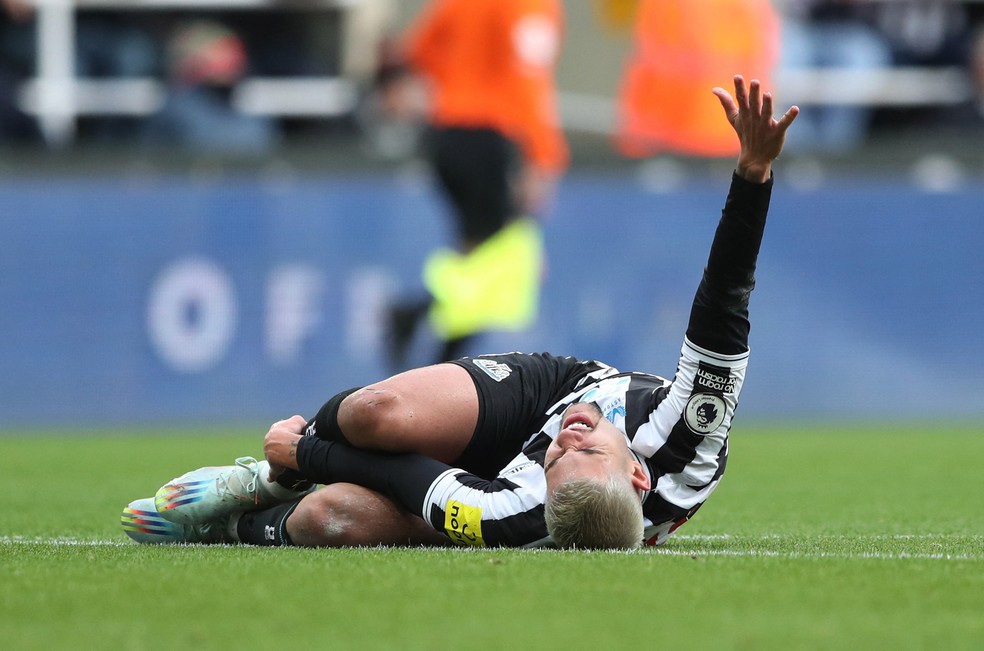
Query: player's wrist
x: 754, y: 172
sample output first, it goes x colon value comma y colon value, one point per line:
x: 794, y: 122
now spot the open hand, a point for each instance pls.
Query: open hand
x: 761, y: 135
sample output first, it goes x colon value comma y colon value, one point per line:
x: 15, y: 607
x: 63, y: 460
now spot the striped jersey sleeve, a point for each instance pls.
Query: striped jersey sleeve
x: 507, y: 511
x: 470, y: 510
x: 684, y: 441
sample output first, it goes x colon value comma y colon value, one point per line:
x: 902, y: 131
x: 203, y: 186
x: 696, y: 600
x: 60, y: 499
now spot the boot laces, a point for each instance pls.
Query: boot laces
x: 241, y: 486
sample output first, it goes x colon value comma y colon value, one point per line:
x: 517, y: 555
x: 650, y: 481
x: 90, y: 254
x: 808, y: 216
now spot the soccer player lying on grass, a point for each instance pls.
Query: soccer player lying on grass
x: 515, y: 449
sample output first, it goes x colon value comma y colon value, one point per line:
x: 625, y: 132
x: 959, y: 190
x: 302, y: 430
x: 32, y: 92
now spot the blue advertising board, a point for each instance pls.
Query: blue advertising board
x: 140, y: 300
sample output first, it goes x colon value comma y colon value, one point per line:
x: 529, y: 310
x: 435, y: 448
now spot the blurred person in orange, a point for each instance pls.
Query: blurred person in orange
x: 480, y: 73
x: 681, y: 48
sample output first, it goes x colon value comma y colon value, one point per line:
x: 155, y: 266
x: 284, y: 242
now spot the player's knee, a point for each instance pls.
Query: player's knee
x: 346, y: 515
x: 371, y: 416
x: 323, y: 519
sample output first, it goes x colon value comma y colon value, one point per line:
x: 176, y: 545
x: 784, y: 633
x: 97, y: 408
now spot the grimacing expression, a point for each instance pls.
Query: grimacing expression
x: 587, y: 446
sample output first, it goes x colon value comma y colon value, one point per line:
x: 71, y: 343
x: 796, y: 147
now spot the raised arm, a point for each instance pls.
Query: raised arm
x: 719, y: 317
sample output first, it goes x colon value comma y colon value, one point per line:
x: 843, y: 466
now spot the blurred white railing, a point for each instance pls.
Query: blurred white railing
x: 56, y: 97
x: 908, y: 86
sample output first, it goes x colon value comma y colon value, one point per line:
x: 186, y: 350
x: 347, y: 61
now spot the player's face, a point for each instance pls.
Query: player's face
x: 588, y: 446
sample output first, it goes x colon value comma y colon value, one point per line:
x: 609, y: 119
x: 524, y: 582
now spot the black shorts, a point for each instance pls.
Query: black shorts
x: 515, y: 392
x: 477, y: 169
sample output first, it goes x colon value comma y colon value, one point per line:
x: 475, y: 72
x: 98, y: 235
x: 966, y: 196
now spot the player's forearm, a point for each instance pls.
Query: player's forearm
x: 719, y: 317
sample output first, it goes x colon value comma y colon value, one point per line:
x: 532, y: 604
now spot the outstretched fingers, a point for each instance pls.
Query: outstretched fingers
x: 727, y: 103
x: 768, y: 110
x: 752, y: 109
x: 741, y: 93
x: 754, y: 98
x: 787, y: 118
x: 767, y: 104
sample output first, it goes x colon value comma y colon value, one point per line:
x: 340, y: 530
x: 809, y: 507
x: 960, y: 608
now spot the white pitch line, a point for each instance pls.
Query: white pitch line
x: 838, y: 555
x: 873, y: 536
x: 67, y: 542
x: 752, y: 553
x: 662, y: 551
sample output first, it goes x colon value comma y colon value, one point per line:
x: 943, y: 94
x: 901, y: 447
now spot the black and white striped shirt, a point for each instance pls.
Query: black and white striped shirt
x: 677, y: 429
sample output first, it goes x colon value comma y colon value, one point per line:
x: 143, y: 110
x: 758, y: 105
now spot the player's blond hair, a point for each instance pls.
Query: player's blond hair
x: 593, y: 514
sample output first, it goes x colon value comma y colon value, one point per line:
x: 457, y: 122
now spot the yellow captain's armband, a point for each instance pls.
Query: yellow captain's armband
x: 463, y: 524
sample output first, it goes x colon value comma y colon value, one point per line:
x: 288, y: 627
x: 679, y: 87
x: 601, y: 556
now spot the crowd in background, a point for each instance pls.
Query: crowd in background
x: 878, y: 36
x: 201, y: 56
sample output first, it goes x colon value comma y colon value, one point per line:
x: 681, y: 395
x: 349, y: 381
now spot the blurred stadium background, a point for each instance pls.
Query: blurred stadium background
x: 234, y: 272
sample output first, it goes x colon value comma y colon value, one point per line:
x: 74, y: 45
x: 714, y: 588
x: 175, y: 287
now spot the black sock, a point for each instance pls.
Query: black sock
x: 293, y: 480
x: 325, y: 426
x: 267, y: 527
x: 325, y: 423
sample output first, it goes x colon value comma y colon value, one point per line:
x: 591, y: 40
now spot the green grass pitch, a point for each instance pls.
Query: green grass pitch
x: 838, y: 537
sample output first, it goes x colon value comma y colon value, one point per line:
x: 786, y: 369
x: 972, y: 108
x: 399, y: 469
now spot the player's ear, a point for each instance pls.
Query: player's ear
x: 640, y: 480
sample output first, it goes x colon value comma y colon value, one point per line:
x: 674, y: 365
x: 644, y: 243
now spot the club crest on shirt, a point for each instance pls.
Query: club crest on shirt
x: 605, y: 388
x: 495, y: 370
x: 519, y: 467
x: 704, y: 413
